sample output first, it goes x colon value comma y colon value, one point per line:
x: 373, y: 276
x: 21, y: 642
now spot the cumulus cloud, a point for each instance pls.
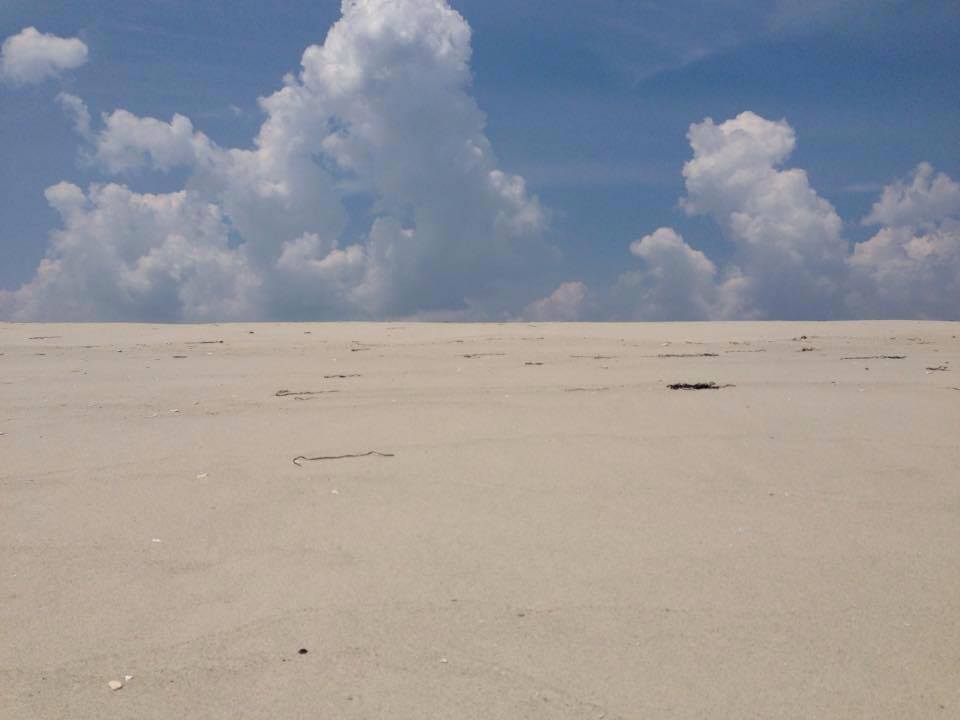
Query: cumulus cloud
x: 372, y: 191
x: 565, y: 304
x: 790, y: 260
x: 789, y: 252
x: 911, y: 267
x: 123, y: 254
x: 128, y: 142
x: 379, y: 117
x: 31, y: 57
x: 76, y: 110
x: 160, y: 253
x: 927, y: 198
x: 676, y: 282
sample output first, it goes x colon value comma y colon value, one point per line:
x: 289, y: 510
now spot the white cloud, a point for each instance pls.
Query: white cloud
x: 789, y: 257
x: 76, y: 110
x: 789, y: 253
x: 31, y: 57
x: 128, y: 142
x: 121, y: 254
x: 380, y: 115
x: 911, y: 267
x: 928, y: 198
x: 676, y: 282
x: 380, y: 118
x: 565, y: 304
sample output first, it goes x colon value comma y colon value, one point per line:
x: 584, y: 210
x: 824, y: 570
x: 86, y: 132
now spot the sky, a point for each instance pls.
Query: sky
x: 175, y: 160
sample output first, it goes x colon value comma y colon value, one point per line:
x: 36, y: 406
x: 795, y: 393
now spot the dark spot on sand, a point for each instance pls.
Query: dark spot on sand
x: 697, y: 386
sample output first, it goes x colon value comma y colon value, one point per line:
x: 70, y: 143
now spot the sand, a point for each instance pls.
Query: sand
x: 550, y: 532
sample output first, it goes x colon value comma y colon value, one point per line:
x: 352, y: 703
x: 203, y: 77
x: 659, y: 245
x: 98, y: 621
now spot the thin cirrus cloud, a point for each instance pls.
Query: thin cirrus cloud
x: 30, y: 56
x: 380, y: 117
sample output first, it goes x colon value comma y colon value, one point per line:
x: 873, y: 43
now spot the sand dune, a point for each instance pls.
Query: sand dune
x: 533, y: 525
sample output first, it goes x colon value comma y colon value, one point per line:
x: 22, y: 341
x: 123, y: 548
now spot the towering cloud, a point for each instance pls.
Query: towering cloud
x: 31, y: 56
x: 911, y: 267
x: 379, y: 117
x: 372, y: 191
x: 789, y: 258
x: 676, y: 282
x: 789, y: 253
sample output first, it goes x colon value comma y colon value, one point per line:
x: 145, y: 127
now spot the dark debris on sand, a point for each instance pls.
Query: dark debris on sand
x: 697, y: 386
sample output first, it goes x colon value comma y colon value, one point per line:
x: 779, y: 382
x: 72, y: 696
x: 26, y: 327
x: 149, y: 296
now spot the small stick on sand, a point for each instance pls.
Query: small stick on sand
x: 296, y: 460
x: 698, y: 386
x: 877, y: 357
x: 688, y: 355
x: 290, y: 393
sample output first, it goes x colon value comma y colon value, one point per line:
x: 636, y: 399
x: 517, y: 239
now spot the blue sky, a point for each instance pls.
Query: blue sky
x: 590, y: 102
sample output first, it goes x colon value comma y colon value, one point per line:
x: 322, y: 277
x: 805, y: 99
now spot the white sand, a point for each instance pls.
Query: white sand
x: 565, y: 540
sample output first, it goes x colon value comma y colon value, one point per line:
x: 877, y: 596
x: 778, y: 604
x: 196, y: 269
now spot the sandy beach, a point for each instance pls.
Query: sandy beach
x: 544, y: 530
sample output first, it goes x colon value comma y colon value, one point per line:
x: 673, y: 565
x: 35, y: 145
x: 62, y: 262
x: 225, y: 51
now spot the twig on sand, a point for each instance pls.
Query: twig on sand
x: 291, y: 393
x: 877, y: 357
x: 687, y: 355
x: 477, y: 355
x: 698, y: 386
x: 940, y: 368
x: 342, y: 377
x: 205, y: 342
x: 586, y: 389
x: 304, y: 458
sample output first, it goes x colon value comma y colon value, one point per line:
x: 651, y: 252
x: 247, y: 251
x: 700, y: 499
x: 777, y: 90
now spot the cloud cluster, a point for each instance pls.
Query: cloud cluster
x: 790, y: 259
x: 380, y: 118
x: 911, y: 267
x: 31, y: 57
x: 121, y: 255
x: 372, y: 191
